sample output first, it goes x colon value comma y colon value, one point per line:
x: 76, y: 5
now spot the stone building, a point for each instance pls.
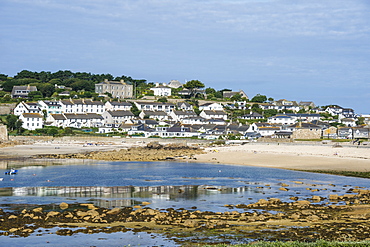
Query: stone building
x: 118, y: 89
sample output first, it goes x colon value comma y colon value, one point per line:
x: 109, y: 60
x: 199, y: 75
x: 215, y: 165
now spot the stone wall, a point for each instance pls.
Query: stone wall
x: 6, y: 108
x: 3, y: 133
x: 306, y: 134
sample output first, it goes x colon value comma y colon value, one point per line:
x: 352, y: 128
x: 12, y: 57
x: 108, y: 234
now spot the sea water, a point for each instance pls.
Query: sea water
x: 206, y: 187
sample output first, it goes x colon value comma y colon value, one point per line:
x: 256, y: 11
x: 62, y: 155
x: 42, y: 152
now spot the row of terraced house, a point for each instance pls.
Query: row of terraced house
x: 179, y: 119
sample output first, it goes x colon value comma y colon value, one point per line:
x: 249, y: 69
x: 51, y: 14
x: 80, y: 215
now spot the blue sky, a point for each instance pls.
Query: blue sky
x: 303, y: 50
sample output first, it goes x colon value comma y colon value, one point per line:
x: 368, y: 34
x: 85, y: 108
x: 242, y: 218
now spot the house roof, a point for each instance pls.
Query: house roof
x: 185, y: 113
x: 90, y: 102
x: 58, y: 116
x: 82, y: 116
x: 51, y: 103
x: 301, y: 125
x: 113, y: 82
x: 32, y: 115
x: 154, y: 113
x: 253, y: 114
x: 120, y: 113
x: 116, y: 103
x: 23, y: 88
x: 214, y: 112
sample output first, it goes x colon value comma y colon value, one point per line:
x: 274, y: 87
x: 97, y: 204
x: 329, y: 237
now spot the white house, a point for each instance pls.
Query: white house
x: 31, y: 121
x: 117, y: 106
x: 194, y: 120
x: 211, y: 107
x: 117, y: 117
x: 349, y: 122
x: 158, y: 115
x: 184, y: 106
x: 208, y: 114
x: 161, y: 90
x: 50, y: 107
x: 268, y: 131
x: 88, y: 120
x: 75, y: 120
x: 281, y: 119
x: 176, y: 131
x: 154, y: 106
x: 56, y: 120
x: 24, y: 107
x: 82, y: 106
x: 179, y: 115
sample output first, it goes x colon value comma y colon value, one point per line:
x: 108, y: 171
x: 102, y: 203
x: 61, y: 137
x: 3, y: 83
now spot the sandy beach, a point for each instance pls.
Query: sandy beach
x: 292, y: 156
x: 300, y: 156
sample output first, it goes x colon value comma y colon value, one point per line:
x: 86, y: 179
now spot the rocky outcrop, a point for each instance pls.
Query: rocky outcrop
x: 152, y: 152
x: 272, y: 219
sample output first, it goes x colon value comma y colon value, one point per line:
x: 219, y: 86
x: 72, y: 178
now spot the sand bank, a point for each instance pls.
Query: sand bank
x: 291, y: 156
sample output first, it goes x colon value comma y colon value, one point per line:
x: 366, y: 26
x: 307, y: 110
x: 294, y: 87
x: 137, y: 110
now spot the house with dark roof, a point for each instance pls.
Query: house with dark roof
x: 50, y: 107
x: 22, y: 91
x: 117, y: 117
x: 117, y: 106
x: 180, y: 115
x: 229, y: 94
x: 26, y: 107
x: 184, y: 106
x: 154, y: 106
x: 252, y: 116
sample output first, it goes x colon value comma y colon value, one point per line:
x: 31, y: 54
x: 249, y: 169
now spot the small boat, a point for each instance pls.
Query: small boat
x: 11, y: 172
x: 1, y: 179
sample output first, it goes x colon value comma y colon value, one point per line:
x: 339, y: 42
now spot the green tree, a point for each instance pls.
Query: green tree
x: 219, y: 95
x: 162, y: 99
x: 256, y: 108
x: 12, y: 122
x: 259, y: 98
x: 236, y: 97
x: 269, y: 113
x: 135, y: 110
x: 46, y: 89
x: 193, y: 85
x: 210, y: 90
x: 3, y: 77
x: 34, y: 95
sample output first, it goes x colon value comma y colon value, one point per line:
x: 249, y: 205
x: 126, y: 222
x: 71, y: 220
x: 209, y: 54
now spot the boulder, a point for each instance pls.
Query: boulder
x: 63, y: 205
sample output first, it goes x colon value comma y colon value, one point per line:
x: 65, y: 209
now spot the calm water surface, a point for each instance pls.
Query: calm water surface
x: 163, y: 184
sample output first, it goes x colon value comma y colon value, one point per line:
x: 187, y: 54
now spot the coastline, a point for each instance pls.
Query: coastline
x: 294, y: 156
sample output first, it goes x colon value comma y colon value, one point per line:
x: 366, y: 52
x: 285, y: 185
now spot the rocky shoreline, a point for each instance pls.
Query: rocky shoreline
x: 151, y: 152
x: 343, y: 218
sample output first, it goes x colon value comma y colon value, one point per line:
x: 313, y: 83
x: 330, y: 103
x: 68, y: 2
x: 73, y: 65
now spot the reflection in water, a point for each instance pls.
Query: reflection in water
x: 125, y: 195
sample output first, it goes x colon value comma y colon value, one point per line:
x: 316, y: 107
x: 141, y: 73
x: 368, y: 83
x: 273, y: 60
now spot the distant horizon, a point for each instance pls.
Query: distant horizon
x: 308, y: 50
